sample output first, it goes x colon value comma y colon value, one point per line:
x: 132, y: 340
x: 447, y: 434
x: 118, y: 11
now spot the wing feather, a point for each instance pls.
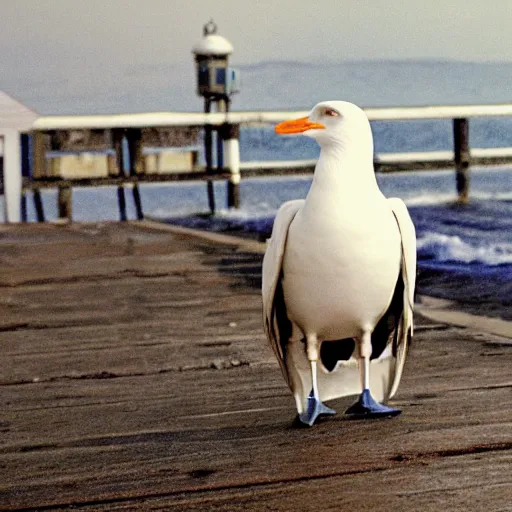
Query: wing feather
x: 408, y: 275
x: 274, y: 310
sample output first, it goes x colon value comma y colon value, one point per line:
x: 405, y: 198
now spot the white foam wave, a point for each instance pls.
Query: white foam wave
x: 446, y: 248
x: 167, y: 212
x: 260, y: 211
x: 430, y: 199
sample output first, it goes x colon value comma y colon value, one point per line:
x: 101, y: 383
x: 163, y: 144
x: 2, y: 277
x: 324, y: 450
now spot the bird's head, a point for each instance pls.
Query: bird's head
x: 331, y: 123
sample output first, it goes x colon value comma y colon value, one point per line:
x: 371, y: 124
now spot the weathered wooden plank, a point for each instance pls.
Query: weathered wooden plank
x: 135, y: 376
x: 254, y: 455
x: 239, y: 427
x: 384, y: 489
x: 174, y: 402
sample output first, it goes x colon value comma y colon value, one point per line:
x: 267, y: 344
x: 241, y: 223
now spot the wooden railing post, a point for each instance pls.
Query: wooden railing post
x: 118, y: 168
x: 39, y: 170
x: 137, y: 167
x: 134, y: 140
x: 25, y: 172
x: 39, y: 163
x: 137, y: 202
x: 462, y: 157
x: 38, y: 205
x: 65, y: 206
x: 230, y: 135
x: 208, y: 156
x: 121, y: 200
x: 117, y: 163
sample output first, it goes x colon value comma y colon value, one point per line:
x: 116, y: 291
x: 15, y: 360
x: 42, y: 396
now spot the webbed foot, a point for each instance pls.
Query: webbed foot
x: 315, y: 408
x: 368, y: 407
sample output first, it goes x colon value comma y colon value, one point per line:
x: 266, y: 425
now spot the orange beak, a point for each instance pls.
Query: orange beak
x: 297, y: 126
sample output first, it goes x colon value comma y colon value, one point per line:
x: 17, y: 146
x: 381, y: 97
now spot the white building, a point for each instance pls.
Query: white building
x: 15, y: 119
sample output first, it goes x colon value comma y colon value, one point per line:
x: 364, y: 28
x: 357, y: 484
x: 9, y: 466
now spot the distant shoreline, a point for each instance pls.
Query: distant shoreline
x: 266, y: 85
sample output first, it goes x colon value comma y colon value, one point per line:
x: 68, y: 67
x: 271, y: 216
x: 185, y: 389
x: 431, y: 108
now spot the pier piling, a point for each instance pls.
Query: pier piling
x: 121, y: 199
x: 208, y: 156
x: 117, y: 166
x: 134, y: 138
x: 462, y: 158
x: 231, y: 135
x: 65, y: 203
x: 38, y: 205
x: 137, y: 201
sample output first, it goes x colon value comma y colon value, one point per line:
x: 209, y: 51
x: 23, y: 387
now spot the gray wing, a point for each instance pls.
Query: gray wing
x: 275, y: 322
x: 405, y: 287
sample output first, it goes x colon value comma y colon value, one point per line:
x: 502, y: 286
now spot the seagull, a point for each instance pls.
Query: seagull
x: 339, y: 274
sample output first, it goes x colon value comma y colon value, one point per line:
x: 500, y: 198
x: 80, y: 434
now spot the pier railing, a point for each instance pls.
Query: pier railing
x: 127, y: 165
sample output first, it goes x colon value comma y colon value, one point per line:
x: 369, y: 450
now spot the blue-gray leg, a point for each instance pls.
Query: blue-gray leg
x: 367, y: 406
x: 314, y: 407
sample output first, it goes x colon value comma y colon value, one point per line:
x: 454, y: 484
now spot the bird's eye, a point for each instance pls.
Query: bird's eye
x: 331, y: 112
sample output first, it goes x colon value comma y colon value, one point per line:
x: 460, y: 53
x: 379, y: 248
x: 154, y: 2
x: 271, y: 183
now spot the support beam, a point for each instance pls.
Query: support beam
x: 462, y: 157
x: 208, y: 156
x: 39, y: 163
x: 138, y: 202
x: 222, y: 106
x: 230, y: 135
x: 25, y: 173
x: 65, y: 207
x: 1, y: 165
x: 117, y: 163
x: 38, y: 205
x: 134, y: 138
x: 24, y: 214
x: 120, y: 167
x: 122, y: 203
x: 12, y: 175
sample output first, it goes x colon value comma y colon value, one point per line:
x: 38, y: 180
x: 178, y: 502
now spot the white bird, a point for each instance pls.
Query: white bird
x: 339, y: 274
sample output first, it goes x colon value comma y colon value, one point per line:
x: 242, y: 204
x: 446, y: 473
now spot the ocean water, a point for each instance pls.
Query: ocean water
x: 273, y: 85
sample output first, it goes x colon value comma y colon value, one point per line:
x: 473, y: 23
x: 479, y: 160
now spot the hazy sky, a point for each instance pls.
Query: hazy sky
x: 44, y: 42
x: 124, y: 32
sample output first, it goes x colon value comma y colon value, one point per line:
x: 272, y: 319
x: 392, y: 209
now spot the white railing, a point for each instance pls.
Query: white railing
x: 199, y: 119
x: 226, y: 123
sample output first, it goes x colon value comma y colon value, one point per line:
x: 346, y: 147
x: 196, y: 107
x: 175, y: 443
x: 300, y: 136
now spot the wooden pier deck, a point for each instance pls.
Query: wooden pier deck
x: 134, y: 375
